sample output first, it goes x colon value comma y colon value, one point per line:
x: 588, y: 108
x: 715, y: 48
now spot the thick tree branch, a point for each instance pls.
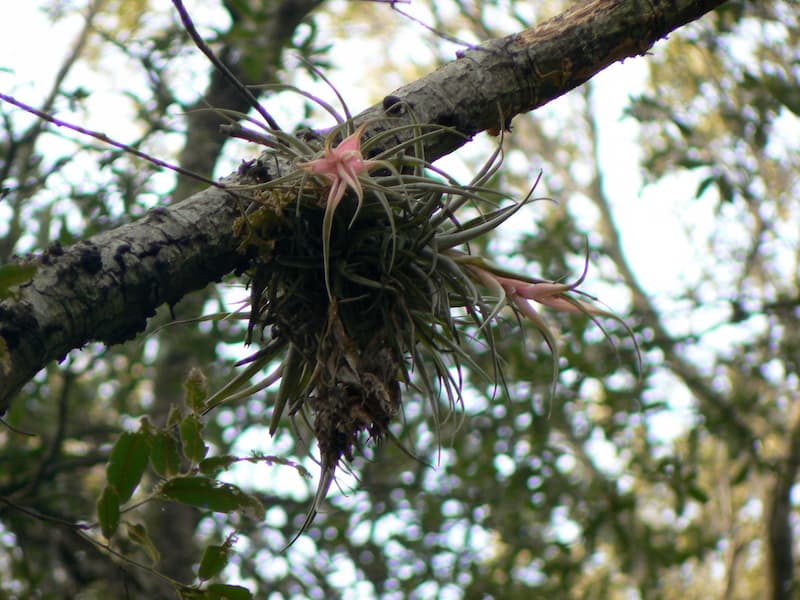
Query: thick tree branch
x: 105, y: 288
x: 526, y: 70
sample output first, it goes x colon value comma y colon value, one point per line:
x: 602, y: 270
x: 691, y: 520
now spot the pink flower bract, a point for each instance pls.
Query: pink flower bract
x: 342, y: 166
x: 547, y: 293
x: 553, y: 295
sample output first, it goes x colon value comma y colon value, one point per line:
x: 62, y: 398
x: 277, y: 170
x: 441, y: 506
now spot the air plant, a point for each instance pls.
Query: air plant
x: 342, y: 166
x: 370, y: 279
x: 362, y: 280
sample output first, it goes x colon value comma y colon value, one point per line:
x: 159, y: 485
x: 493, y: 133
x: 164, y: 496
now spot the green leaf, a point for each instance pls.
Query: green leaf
x: 215, y: 558
x: 290, y: 384
x: 108, y: 511
x: 127, y: 463
x: 726, y: 189
x: 196, y: 386
x: 138, y: 535
x: 174, y: 417
x: 688, y: 162
x: 697, y: 493
x: 13, y: 275
x: 741, y: 474
x: 194, y: 448
x: 217, y: 591
x: 210, y: 494
x: 784, y: 92
x: 164, y: 454
x: 214, y: 465
x: 224, y: 591
x: 704, y: 185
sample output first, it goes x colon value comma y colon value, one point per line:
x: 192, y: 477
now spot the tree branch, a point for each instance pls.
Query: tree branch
x: 106, y: 287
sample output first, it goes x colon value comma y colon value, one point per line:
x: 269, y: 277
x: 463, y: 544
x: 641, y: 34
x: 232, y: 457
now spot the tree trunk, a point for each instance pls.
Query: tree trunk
x: 171, y: 524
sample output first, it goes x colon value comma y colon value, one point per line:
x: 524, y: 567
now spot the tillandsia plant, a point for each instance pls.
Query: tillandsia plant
x: 362, y: 280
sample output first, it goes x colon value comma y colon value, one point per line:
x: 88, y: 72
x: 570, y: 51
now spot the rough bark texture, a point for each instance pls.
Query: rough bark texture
x: 781, y: 510
x: 106, y: 287
x: 526, y: 70
x: 780, y: 548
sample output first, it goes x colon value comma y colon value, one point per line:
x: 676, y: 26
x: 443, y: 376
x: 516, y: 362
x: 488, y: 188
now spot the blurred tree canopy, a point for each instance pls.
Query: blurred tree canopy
x: 678, y: 482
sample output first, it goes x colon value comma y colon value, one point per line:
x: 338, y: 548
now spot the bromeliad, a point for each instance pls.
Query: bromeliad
x: 342, y: 166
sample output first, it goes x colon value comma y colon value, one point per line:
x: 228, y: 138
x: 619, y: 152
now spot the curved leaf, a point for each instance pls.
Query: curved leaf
x: 165, y: 454
x: 224, y: 591
x: 194, y: 448
x: 210, y: 494
x: 215, y: 558
x: 108, y: 511
x: 213, y: 465
x: 127, y: 463
x: 137, y: 533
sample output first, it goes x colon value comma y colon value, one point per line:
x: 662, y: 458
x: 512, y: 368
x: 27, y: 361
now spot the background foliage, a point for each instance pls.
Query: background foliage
x: 675, y: 484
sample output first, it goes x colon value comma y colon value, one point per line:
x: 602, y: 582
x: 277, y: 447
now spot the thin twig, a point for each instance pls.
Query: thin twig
x: 35, y: 514
x: 433, y: 30
x: 13, y: 429
x: 193, y: 33
x: 104, y: 138
x: 30, y: 136
x: 20, y: 149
